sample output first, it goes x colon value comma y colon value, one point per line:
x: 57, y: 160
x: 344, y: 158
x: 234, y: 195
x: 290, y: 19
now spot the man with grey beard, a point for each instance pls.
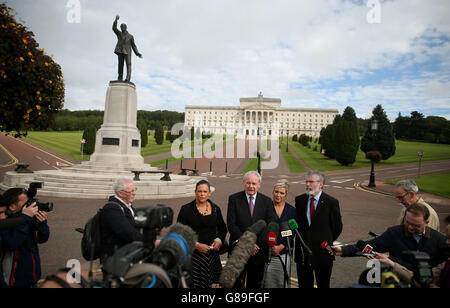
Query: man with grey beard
x: 319, y: 220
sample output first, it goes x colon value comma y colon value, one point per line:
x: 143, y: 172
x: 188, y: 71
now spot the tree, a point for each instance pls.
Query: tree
x: 328, y: 138
x: 31, y: 83
x: 347, y: 138
x: 89, y: 134
x: 159, y: 134
x: 383, y: 139
x: 142, y: 126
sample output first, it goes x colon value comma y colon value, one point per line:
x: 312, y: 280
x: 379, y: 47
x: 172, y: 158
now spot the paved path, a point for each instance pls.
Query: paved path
x: 362, y: 210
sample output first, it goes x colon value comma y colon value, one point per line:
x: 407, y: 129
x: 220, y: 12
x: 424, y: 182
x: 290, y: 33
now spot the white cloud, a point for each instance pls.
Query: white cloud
x: 214, y: 52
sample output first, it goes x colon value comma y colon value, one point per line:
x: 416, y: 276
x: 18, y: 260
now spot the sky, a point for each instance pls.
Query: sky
x: 310, y: 54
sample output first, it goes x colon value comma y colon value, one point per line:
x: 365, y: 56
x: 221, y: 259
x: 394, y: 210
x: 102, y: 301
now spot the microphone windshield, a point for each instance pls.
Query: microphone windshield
x: 273, y: 227
x: 293, y: 224
x: 324, y: 245
x: 258, y: 227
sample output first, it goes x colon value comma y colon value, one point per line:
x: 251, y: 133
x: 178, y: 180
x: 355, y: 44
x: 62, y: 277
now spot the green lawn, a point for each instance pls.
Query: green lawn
x: 68, y: 143
x: 437, y: 184
x: 292, y: 162
x: 406, y: 152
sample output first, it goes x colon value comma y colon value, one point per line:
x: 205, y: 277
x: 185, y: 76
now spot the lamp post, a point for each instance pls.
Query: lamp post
x: 373, y: 128
x: 287, y: 141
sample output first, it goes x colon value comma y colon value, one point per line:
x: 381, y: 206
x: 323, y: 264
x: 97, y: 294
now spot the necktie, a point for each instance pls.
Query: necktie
x: 251, y: 205
x: 312, y: 209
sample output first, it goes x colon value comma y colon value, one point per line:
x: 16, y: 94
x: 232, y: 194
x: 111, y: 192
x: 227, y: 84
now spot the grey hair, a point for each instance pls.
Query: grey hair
x: 408, y: 186
x: 283, y: 184
x: 120, y: 183
x: 318, y: 173
x: 247, y: 174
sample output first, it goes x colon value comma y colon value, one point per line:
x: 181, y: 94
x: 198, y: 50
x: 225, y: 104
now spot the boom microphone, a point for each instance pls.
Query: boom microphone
x: 258, y: 227
x: 174, y: 248
x: 240, y: 255
x: 11, y: 223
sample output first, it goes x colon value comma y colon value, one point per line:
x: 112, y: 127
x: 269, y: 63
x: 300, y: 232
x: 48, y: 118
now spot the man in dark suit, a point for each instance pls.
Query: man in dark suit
x: 319, y: 219
x: 117, y: 218
x: 125, y: 42
x: 244, y: 209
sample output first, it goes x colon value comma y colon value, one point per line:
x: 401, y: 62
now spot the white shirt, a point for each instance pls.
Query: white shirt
x: 128, y: 205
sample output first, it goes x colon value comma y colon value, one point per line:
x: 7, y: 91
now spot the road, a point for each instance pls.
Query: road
x: 362, y: 211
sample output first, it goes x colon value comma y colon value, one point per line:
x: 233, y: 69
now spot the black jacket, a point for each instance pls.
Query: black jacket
x: 397, y: 239
x: 209, y: 227
x: 239, y: 219
x: 117, y: 227
x: 325, y: 226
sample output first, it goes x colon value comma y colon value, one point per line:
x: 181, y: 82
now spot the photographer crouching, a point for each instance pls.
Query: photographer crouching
x: 21, y: 261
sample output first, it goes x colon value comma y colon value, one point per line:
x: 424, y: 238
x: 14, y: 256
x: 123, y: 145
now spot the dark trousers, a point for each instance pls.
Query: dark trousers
x: 254, y: 274
x: 305, y: 274
x: 123, y: 58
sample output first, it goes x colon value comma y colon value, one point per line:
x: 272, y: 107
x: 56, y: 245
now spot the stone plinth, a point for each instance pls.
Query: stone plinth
x: 118, y: 139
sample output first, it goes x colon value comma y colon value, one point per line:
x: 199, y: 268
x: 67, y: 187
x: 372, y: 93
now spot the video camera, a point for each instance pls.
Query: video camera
x: 140, y: 264
x: 420, y: 262
x: 416, y: 261
x: 31, y: 193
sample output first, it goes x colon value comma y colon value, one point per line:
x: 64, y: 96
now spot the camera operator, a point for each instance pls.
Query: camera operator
x: 21, y: 263
x: 2, y: 217
x: 414, y: 235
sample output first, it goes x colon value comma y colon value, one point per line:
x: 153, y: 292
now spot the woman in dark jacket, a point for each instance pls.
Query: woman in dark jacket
x: 206, y: 219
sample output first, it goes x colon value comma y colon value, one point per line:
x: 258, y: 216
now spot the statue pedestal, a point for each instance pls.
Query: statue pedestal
x: 118, y: 140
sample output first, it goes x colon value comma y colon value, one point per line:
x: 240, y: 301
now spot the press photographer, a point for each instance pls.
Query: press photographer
x: 21, y: 260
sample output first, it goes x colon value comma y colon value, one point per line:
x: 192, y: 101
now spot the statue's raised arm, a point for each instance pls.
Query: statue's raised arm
x: 125, y: 43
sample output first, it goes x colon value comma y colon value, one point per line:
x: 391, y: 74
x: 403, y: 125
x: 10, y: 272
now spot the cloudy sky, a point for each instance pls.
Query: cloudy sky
x: 321, y: 53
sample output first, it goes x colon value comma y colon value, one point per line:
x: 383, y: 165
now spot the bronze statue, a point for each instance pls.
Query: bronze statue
x: 123, y: 48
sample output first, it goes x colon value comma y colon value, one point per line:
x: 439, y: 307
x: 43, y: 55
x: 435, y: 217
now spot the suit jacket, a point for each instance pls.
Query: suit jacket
x: 117, y: 227
x: 125, y: 41
x: 239, y: 219
x: 325, y: 226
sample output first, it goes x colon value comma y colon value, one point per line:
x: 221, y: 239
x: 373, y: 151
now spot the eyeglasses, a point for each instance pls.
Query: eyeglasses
x: 414, y: 225
x: 129, y: 192
x: 401, y: 197
x: 310, y: 182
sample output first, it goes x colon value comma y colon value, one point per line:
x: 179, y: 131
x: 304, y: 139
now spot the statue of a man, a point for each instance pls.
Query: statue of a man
x: 123, y: 48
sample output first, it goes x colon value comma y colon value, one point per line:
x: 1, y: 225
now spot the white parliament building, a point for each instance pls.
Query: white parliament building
x: 258, y: 116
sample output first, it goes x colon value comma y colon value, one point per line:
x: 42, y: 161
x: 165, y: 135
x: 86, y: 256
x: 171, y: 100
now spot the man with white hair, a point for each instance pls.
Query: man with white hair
x: 244, y: 209
x: 406, y: 193
x: 117, y: 218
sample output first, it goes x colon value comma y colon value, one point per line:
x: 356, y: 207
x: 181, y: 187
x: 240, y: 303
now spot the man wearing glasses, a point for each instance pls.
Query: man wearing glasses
x: 117, y: 219
x: 406, y: 193
x: 413, y: 235
x: 319, y: 219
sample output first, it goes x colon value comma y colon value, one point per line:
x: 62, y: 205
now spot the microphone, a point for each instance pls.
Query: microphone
x: 271, y: 239
x: 366, y: 249
x: 11, y: 223
x: 258, y: 227
x: 240, y: 255
x: 175, y: 248
x: 327, y: 247
x: 285, y: 231
x: 294, y: 227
